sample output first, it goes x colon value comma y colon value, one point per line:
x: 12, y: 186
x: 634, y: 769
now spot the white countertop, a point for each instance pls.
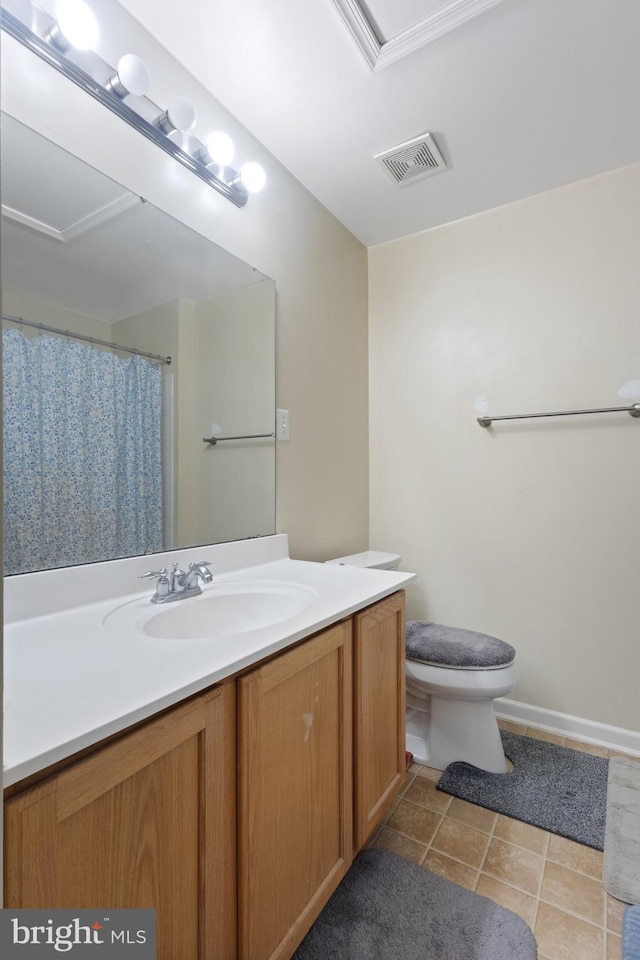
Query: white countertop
x: 70, y: 682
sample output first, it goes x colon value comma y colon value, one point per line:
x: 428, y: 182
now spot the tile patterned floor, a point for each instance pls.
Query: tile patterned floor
x: 554, y: 884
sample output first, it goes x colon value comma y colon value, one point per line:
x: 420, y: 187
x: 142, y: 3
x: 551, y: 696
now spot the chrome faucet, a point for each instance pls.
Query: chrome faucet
x: 178, y: 585
x: 196, y: 571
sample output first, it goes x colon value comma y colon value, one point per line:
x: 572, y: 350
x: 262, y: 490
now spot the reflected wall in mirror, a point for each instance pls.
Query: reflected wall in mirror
x: 83, y: 255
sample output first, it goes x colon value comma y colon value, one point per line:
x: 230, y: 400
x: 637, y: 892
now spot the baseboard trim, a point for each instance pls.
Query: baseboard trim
x: 563, y: 724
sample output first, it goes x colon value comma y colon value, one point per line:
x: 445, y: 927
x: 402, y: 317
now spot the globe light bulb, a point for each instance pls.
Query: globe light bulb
x: 180, y: 115
x: 132, y: 76
x: 253, y: 176
x: 220, y: 148
x: 75, y: 26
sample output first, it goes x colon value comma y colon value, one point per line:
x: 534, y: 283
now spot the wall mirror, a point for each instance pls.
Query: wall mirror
x: 91, y: 474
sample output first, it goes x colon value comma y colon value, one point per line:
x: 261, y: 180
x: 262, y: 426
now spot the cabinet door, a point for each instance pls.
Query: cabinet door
x: 379, y: 712
x: 148, y: 821
x: 295, y: 791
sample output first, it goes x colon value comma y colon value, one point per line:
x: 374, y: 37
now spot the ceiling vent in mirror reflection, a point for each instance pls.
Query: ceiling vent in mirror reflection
x: 67, y: 42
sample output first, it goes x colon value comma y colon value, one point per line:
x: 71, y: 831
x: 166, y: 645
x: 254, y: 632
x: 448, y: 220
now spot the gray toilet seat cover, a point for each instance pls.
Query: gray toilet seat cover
x: 454, y: 647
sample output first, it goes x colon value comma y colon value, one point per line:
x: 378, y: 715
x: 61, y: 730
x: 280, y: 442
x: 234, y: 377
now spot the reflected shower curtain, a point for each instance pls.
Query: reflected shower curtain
x: 82, y: 458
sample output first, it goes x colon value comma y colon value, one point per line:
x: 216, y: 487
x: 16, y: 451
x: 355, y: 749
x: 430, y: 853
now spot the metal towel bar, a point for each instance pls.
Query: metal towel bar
x: 249, y: 436
x: 633, y: 409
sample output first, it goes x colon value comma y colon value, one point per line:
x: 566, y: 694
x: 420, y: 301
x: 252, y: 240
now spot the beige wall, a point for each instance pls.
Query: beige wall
x: 21, y: 305
x: 319, y: 268
x: 233, y: 364
x: 529, y: 530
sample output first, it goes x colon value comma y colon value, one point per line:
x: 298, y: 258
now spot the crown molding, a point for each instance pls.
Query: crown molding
x: 381, y: 54
x: 91, y: 220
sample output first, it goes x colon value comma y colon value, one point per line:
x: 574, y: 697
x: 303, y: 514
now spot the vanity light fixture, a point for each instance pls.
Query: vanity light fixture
x: 65, y: 42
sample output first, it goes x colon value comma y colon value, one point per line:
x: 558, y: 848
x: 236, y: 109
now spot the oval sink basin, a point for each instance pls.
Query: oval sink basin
x: 222, y: 610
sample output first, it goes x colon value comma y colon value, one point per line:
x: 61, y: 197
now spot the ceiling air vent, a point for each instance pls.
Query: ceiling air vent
x: 412, y: 160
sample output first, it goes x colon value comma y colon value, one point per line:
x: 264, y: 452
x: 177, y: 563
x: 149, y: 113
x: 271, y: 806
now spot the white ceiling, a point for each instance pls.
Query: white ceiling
x: 525, y: 96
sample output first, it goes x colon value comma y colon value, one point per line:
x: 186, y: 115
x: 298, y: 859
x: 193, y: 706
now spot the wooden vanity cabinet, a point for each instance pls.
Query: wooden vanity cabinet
x: 146, y: 821
x: 294, y: 791
x: 379, y: 712
x: 236, y: 814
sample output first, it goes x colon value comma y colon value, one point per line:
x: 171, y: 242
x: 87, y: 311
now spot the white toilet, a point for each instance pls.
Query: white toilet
x: 450, y: 712
x: 453, y: 676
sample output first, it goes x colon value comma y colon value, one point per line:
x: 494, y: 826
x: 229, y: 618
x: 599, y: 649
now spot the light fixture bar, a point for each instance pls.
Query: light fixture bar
x: 233, y: 191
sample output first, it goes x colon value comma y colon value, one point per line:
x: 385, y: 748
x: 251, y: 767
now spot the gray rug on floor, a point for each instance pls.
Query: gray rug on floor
x: 621, y: 863
x: 389, y: 908
x: 561, y: 790
x: 631, y: 934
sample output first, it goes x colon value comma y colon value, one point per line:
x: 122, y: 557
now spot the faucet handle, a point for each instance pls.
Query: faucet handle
x: 201, y: 563
x: 162, y: 586
x: 152, y: 574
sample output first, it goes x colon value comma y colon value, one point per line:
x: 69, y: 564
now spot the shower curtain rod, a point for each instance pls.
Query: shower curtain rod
x: 81, y: 336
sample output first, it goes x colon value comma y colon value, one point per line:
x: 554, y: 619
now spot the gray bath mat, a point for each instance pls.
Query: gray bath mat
x: 631, y: 934
x: 621, y: 862
x: 389, y: 908
x: 561, y: 790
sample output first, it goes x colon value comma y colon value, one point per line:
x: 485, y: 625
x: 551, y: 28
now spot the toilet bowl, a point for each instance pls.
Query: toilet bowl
x: 450, y: 714
x: 452, y: 678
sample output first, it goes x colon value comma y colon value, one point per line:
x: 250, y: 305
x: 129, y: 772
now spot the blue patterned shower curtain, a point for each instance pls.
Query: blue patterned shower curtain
x: 82, y: 456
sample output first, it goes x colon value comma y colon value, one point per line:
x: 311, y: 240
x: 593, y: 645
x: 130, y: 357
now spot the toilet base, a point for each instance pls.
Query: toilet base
x: 452, y: 730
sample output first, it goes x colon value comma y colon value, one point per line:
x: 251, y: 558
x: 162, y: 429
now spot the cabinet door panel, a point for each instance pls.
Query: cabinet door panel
x: 295, y: 791
x: 127, y: 827
x: 379, y: 712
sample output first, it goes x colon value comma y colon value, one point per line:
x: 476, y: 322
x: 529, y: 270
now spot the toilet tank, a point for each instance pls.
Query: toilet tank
x: 376, y: 559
